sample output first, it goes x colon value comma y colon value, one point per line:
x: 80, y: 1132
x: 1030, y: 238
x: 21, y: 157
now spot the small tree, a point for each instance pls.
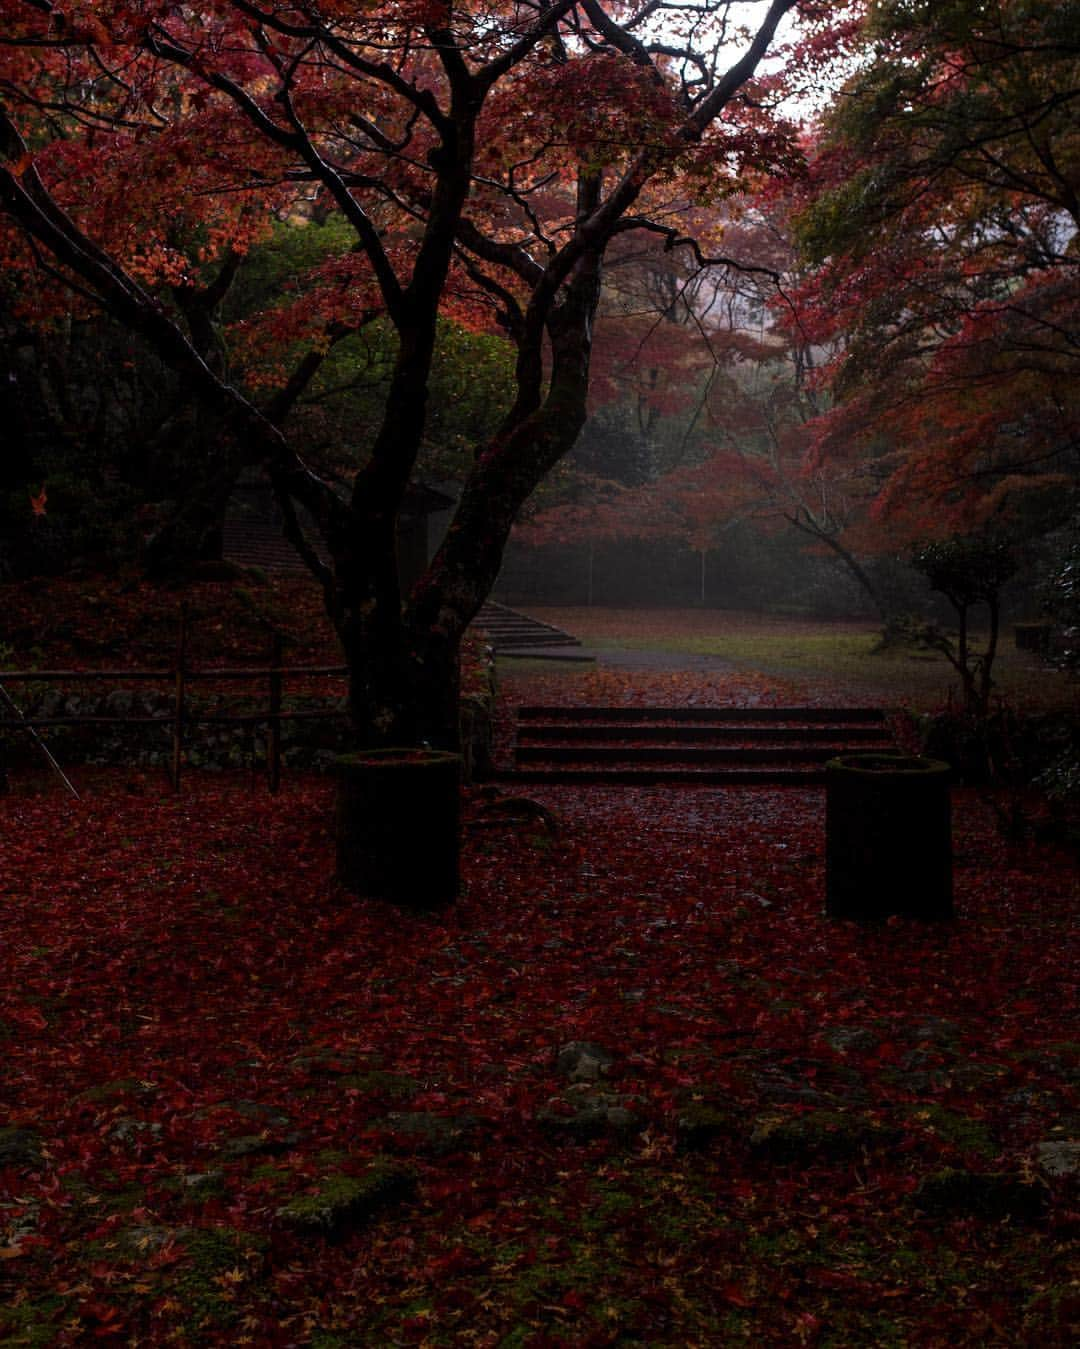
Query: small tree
x: 968, y: 571
x: 1061, y: 598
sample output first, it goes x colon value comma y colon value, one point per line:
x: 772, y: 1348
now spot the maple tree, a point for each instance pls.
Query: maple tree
x: 941, y: 213
x: 761, y: 416
x: 484, y: 160
x: 738, y: 398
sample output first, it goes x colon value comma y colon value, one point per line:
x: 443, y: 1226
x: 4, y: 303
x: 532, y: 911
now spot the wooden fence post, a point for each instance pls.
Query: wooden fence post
x: 178, y: 713
x: 273, y: 735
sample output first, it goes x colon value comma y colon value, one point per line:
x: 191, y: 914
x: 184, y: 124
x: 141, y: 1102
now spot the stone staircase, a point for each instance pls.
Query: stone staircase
x: 636, y: 746
x: 506, y: 630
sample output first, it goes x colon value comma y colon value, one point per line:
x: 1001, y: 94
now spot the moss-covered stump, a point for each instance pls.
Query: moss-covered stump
x: 398, y: 825
x: 888, y: 846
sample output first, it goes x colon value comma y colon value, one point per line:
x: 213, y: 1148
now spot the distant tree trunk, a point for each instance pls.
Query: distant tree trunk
x: 986, y: 682
x: 849, y: 560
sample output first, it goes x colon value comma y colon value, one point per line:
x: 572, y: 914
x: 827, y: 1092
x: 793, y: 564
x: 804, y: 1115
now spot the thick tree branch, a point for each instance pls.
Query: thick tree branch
x: 673, y: 239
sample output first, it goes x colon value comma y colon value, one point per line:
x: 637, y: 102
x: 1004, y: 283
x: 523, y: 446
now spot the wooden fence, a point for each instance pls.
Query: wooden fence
x: 181, y: 716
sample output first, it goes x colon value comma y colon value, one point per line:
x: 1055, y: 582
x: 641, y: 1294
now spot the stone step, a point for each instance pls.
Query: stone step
x: 633, y: 716
x: 503, y: 627
x: 659, y: 777
x: 702, y: 733
x: 690, y: 745
x: 529, y: 637
x: 684, y: 755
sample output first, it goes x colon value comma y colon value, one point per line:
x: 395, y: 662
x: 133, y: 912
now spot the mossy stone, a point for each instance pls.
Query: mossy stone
x: 579, y: 1117
x: 21, y: 1149
x: 699, y: 1124
x: 961, y: 1131
x: 817, y: 1136
x: 429, y: 1133
x: 343, y: 1202
x: 994, y: 1195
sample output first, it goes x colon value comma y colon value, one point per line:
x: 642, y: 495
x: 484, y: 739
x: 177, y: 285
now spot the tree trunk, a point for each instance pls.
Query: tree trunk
x: 461, y: 576
x: 986, y: 679
x: 850, y: 562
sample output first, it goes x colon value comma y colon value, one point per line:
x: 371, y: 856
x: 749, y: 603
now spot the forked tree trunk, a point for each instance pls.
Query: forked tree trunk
x: 404, y: 690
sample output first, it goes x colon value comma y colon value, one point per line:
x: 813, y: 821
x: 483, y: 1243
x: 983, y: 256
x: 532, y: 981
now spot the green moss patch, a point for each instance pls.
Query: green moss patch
x: 215, y: 1259
x: 395, y: 1086
x: 343, y: 1202
x: 30, y: 1323
x: 119, y: 1090
x: 21, y: 1149
x: 959, y: 1131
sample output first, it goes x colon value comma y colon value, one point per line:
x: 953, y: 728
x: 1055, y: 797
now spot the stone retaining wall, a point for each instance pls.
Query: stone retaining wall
x: 310, y: 744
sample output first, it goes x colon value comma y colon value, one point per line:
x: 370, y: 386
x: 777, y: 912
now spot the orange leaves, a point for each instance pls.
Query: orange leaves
x: 37, y: 503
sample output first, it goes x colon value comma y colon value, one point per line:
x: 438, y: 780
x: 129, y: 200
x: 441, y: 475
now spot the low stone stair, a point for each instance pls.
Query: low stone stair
x: 506, y: 629
x: 697, y: 745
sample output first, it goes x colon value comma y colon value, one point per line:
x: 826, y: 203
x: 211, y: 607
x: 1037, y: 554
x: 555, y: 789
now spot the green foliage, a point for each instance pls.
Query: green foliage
x: 843, y: 220
x: 1061, y: 598
x: 967, y: 570
x: 469, y: 391
x: 272, y: 267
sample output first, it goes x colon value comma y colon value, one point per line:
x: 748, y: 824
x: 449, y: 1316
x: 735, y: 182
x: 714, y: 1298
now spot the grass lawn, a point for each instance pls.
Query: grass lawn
x: 811, y: 657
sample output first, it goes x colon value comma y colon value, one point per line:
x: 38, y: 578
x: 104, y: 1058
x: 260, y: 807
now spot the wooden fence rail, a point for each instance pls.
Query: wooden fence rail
x: 180, y: 676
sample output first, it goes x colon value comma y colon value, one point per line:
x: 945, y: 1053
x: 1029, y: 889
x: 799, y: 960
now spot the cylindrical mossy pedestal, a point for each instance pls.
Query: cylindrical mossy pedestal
x: 888, y: 837
x: 398, y: 825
